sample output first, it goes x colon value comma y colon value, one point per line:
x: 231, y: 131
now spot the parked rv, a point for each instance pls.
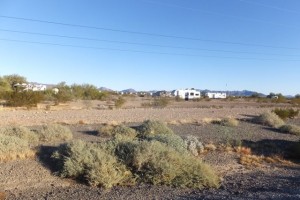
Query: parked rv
x: 216, y: 95
x: 187, y: 94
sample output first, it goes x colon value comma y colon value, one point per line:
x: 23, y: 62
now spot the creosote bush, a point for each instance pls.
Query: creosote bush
x: 24, y: 98
x: 286, y: 113
x: 120, y: 130
x: 90, y: 163
x: 12, y: 148
x: 20, y: 132
x: 151, y: 127
x: 154, y: 156
x: 158, y: 164
x: 269, y: 119
x: 291, y: 129
x: 55, y: 132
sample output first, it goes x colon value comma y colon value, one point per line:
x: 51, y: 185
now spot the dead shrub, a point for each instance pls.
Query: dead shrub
x: 55, y: 132
x: 269, y: 119
x: 230, y: 122
x: 12, y: 148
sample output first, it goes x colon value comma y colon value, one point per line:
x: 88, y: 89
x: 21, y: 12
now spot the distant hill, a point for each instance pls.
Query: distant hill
x: 243, y: 93
x: 130, y: 90
x: 105, y: 89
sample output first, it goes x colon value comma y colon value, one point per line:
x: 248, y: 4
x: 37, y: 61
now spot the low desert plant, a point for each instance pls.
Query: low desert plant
x: 286, y: 113
x: 12, y: 148
x: 55, y: 132
x: 90, y: 163
x: 119, y: 102
x: 161, y: 102
x: 24, y: 98
x: 20, y: 132
x: 117, y: 131
x: 269, y: 119
x: 171, y: 140
x: 193, y: 145
x: 230, y: 122
x: 291, y: 129
x: 150, y: 127
x: 156, y: 163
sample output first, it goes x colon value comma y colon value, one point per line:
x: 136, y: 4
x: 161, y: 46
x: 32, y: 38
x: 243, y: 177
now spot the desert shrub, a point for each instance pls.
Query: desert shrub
x: 161, y: 102
x: 193, y: 145
x: 116, y: 131
x: 230, y: 122
x: 286, y: 113
x: 90, y: 163
x: 156, y: 163
x: 119, y: 102
x: 289, y: 128
x: 171, y: 140
x: 12, y: 148
x: 269, y: 119
x: 151, y: 127
x: 55, y: 132
x: 25, y: 98
x: 20, y: 132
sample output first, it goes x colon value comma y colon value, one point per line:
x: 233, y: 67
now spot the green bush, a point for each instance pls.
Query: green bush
x: 151, y: 127
x: 55, y: 132
x: 12, y: 148
x: 286, y: 113
x: 269, y: 119
x: 88, y: 162
x: 172, y: 140
x: 291, y: 129
x: 20, y: 132
x: 117, y: 131
x: 156, y: 163
x: 25, y: 98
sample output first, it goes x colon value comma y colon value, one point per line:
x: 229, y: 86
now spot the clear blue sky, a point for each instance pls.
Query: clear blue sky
x: 205, y: 44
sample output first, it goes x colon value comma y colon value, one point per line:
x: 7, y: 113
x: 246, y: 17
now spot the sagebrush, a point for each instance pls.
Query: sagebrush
x: 55, y: 132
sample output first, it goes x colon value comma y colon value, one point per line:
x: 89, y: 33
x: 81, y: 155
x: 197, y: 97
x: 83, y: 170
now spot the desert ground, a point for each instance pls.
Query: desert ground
x: 277, y: 177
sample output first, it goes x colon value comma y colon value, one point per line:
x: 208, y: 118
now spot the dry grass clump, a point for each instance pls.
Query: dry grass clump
x: 20, y: 132
x: 291, y: 129
x: 55, y: 132
x: 156, y: 163
x: 117, y: 131
x: 150, y: 127
x: 230, y: 122
x: 12, y: 148
x: 269, y: 119
x: 90, y: 163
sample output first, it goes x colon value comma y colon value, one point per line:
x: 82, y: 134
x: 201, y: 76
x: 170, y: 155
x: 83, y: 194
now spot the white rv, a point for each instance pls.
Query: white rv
x: 216, y: 95
x: 187, y: 94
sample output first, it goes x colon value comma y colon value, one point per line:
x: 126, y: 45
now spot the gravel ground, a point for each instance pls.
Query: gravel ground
x: 33, y: 179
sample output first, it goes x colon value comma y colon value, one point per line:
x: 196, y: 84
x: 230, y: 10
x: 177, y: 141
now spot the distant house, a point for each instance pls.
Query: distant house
x: 162, y: 93
x: 216, y: 95
x: 187, y: 94
x: 31, y: 87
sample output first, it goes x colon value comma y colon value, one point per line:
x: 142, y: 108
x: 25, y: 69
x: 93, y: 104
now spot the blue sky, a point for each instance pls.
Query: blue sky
x: 205, y: 44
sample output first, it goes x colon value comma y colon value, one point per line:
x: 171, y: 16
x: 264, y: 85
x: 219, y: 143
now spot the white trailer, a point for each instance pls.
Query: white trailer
x: 216, y: 95
x: 187, y: 94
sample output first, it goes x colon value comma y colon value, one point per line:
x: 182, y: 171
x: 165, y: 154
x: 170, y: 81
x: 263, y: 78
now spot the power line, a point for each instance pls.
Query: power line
x: 144, y: 33
x: 138, y: 51
x: 219, y: 14
x: 143, y: 44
